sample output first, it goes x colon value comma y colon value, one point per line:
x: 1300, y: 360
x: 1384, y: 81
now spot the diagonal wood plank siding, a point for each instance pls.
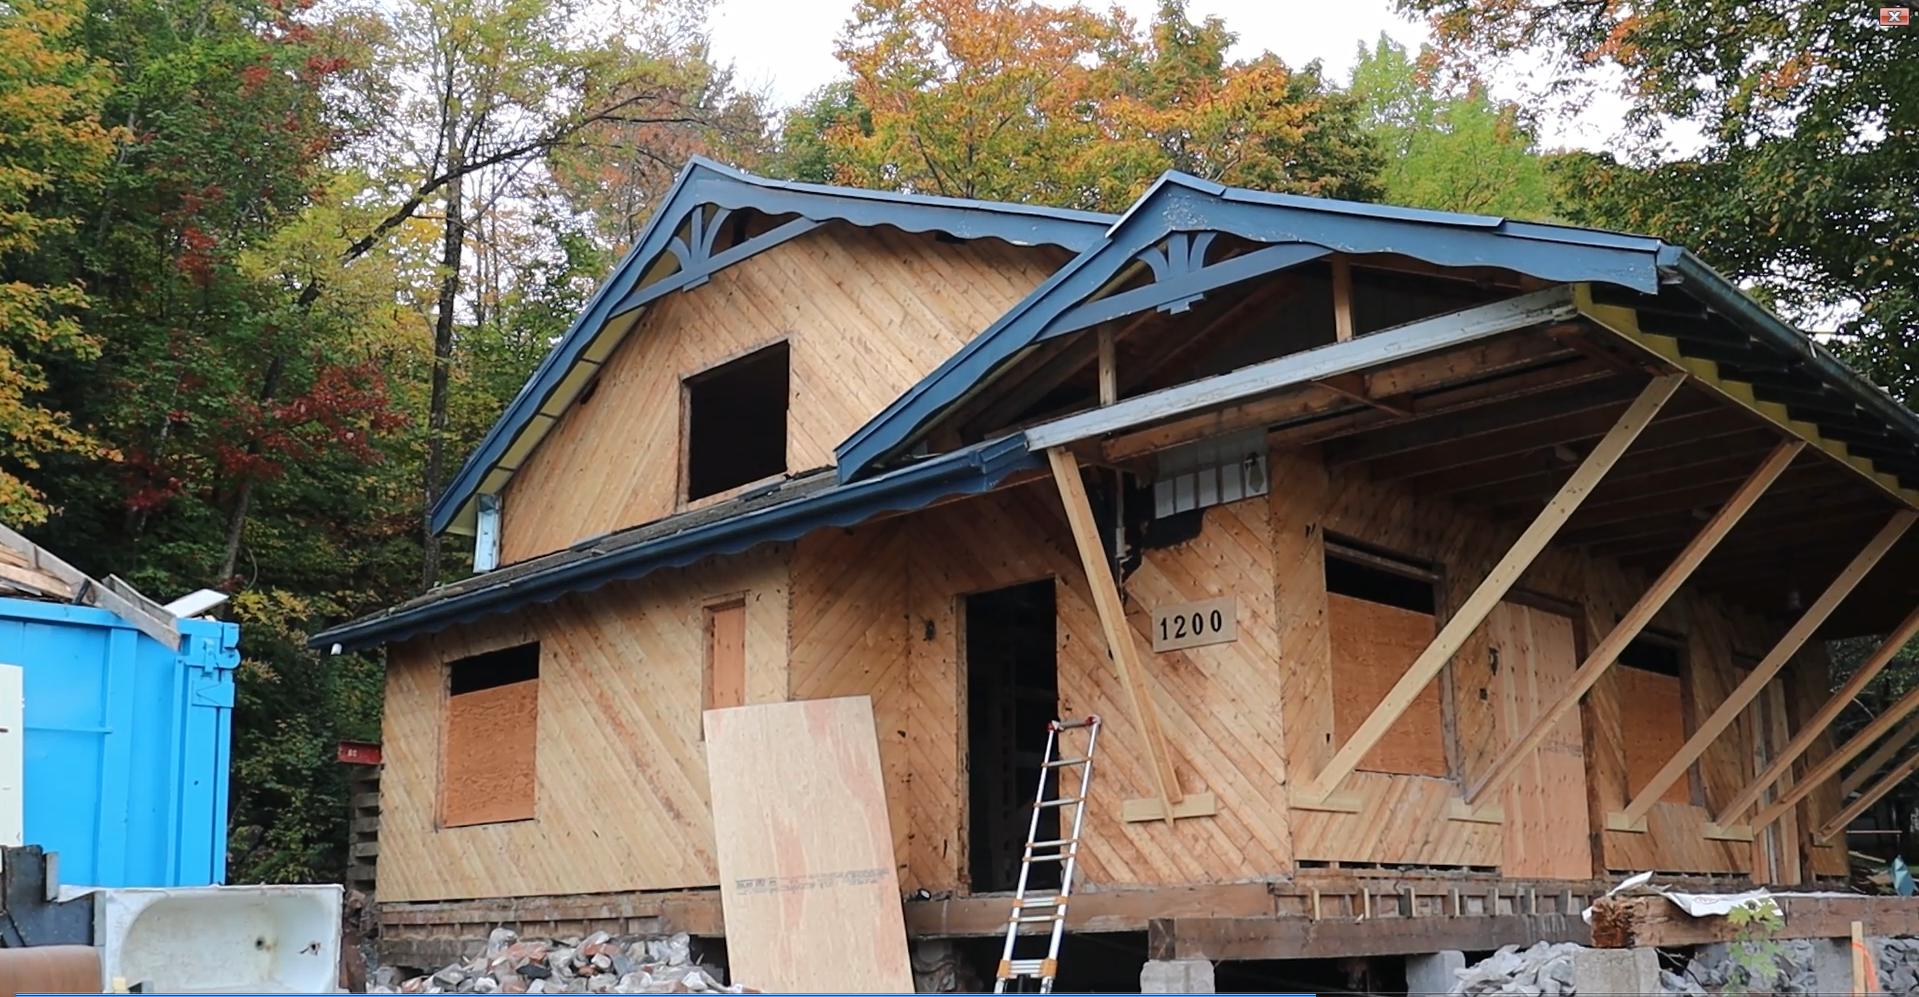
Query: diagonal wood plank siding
x: 620, y: 796
x: 866, y: 314
x: 876, y: 610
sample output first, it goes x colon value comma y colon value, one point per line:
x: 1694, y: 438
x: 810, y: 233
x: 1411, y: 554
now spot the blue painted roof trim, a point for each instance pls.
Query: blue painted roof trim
x: 1181, y: 203
x: 703, y: 182
x: 976, y: 469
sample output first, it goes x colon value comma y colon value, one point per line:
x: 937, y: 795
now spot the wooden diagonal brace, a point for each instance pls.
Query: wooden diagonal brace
x: 1112, y: 620
x: 1870, y: 765
x: 1866, y: 799
x: 1830, y: 765
x: 1762, y: 673
x: 1641, y: 614
x: 1820, y: 721
x: 1477, y: 606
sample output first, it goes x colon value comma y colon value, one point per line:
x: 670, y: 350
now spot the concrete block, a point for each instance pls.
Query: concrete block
x: 1176, y: 976
x: 1832, y: 964
x: 1616, y: 971
x: 1433, y: 973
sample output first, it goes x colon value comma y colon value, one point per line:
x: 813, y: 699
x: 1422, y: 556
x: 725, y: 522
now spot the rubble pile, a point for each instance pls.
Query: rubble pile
x: 596, y: 964
x: 1545, y: 970
x: 1712, y: 970
x: 1898, y: 964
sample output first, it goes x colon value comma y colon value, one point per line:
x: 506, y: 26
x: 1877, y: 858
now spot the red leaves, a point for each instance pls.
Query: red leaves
x: 196, y: 255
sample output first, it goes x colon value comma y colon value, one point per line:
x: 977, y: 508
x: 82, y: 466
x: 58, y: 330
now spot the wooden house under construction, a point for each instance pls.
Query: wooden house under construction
x: 1431, y: 571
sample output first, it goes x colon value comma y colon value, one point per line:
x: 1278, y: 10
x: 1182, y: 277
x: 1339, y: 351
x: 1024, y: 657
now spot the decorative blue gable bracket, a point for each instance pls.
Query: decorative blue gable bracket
x: 685, y: 234
x: 1170, y: 230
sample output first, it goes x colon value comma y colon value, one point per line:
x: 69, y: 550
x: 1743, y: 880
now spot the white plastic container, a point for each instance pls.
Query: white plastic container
x: 209, y: 939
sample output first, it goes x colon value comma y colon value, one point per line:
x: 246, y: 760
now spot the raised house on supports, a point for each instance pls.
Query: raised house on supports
x: 1431, y: 572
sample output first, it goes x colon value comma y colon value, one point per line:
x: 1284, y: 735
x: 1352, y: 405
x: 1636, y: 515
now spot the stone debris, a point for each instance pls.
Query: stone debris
x: 596, y: 964
x: 1545, y: 970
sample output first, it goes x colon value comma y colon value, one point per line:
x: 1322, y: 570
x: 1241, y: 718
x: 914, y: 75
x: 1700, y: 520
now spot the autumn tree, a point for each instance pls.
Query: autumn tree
x: 52, y: 144
x: 1028, y: 101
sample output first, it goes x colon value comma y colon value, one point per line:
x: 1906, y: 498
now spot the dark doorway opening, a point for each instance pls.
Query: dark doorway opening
x: 1012, y: 692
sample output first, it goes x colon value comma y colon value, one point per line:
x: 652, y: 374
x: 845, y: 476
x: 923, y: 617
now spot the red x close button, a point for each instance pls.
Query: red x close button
x: 1895, y: 17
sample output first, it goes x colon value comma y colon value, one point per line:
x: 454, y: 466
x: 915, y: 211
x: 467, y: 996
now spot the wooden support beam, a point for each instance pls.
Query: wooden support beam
x: 1353, y: 386
x: 1473, y: 611
x: 1237, y: 939
x: 1748, y: 690
x: 1342, y: 299
x: 1112, y: 620
x: 112, y: 595
x: 1871, y: 764
x: 1639, y: 616
x: 1108, y: 367
x: 1830, y: 765
x: 1864, y: 801
x: 1655, y: 922
x: 1820, y: 721
x: 1419, y: 338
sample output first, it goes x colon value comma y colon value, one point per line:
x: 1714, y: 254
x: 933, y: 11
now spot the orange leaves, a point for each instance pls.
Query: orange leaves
x: 1025, y: 100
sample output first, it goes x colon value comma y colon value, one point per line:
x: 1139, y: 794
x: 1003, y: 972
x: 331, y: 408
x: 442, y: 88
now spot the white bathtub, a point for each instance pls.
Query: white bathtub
x: 206, y: 939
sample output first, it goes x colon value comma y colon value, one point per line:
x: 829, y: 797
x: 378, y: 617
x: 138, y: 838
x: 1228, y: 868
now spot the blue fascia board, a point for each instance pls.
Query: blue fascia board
x: 1181, y: 203
x: 1722, y: 296
x: 704, y: 182
x: 975, y: 469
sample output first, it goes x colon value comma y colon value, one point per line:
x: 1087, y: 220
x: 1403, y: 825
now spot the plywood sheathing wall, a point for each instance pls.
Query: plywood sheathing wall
x: 621, y: 791
x: 1216, y: 702
x: 621, y: 795
x: 1402, y: 816
x: 866, y: 312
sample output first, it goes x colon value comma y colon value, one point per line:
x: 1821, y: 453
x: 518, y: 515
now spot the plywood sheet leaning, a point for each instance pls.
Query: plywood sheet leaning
x: 1546, y: 815
x: 805, y: 849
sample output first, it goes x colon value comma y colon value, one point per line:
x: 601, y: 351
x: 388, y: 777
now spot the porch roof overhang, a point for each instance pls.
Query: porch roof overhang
x: 1660, y: 297
x: 679, y: 249
x: 782, y: 512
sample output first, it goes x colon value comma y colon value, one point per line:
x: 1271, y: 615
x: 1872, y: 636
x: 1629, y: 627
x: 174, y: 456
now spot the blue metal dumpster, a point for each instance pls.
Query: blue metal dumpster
x: 126, y: 743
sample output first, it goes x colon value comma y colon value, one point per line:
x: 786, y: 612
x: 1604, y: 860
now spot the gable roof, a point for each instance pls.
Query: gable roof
x: 676, y: 251
x: 1182, y: 210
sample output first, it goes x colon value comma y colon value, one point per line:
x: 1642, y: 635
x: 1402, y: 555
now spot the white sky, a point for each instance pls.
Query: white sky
x: 786, y: 46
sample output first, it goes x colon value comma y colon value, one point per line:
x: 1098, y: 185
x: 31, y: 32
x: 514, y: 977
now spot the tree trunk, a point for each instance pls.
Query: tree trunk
x: 243, y: 496
x: 451, y: 252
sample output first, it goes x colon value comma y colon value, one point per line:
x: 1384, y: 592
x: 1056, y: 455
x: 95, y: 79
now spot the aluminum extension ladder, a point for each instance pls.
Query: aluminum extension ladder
x: 1063, y: 850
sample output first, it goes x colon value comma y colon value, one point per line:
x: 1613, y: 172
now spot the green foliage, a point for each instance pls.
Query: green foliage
x: 52, y: 147
x: 1808, y: 138
x: 1755, y: 947
x: 1454, y: 151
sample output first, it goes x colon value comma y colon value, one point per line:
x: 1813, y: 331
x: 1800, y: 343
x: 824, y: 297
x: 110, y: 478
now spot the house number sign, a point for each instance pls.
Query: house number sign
x: 1192, y: 624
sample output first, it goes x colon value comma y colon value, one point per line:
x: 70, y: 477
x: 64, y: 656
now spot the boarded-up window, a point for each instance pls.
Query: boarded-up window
x: 1379, y: 614
x: 1652, y: 714
x: 725, y: 683
x: 492, y: 713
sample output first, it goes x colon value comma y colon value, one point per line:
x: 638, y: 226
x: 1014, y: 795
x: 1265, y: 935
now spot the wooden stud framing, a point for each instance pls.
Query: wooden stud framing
x: 1641, y: 614
x: 1871, y: 764
x: 1473, y: 611
x: 1823, y: 719
x: 1830, y: 765
x: 1342, y: 299
x: 1865, y: 800
x: 1112, y: 620
x: 1748, y: 690
x: 1108, y: 367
